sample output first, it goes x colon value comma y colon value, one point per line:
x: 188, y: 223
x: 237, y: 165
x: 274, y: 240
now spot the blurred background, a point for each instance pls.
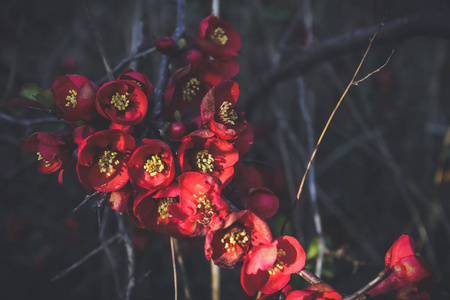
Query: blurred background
x: 382, y: 169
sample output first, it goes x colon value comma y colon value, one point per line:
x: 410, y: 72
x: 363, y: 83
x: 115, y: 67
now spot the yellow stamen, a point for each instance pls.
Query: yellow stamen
x: 205, y: 161
x: 164, y: 205
x: 227, y: 114
x: 205, y: 208
x: 219, y: 37
x: 47, y: 163
x: 191, y: 88
x: 235, y: 237
x: 120, y: 101
x: 72, y: 98
x: 107, y: 161
x: 279, y: 264
x: 154, y: 165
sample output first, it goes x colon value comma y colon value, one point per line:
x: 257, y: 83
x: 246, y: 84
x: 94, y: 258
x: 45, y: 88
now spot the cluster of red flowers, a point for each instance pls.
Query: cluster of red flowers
x: 176, y: 183
x: 191, y: 181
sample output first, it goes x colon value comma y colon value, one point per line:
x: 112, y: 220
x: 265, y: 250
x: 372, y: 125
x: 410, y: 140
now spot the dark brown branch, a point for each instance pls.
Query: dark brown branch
x: 309, y: 276
x: 425, y: 25
x: 382, y: 275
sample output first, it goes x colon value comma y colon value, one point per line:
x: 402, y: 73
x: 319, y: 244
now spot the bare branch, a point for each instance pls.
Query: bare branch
x: 382, y: 275
x: 424, y: 24
x: 376, y: 71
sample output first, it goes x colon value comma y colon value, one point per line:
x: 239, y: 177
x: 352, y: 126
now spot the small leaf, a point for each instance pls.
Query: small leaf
x: 30, y: 91
x: 46, y: 98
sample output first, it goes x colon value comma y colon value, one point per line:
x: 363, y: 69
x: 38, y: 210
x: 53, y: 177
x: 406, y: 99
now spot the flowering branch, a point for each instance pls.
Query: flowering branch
x: 382, y: 275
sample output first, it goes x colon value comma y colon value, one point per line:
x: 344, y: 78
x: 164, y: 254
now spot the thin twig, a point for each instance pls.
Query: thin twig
x: 98, y: 40
x: 27, y: 123
x: 335, y: 109
x: 215, y: 8
x: 312, y: 180
x: 309, y: 276
x: 85, y: 258
x: 376, y: 71
x: 124, y: 233
x: 382, y: 275
x: 86, y: 199
x: 174, y: 266
x: 215, y: 281
x: 187, y: 292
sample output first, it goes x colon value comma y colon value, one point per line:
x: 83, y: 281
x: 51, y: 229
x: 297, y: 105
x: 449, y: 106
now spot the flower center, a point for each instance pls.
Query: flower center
x: 279, y: 264
x: 47, y: 163
x: 191, y: 88
x: 236, y: 236
x: 154, y: 165
x: 72, y: 98
x: 219, y: 37
x: 120, y: 101
x: 226, y: 114
x: 205, y: 161
x: 205, y: 208
x: 107, y: 161
x: 164, y: 205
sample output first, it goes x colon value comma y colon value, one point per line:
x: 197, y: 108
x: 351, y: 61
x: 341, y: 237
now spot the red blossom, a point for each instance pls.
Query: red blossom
x: 320, y: 291
x: 267, y: 268
x: 407, y: 270
x: 203, y: 151
x: 188, y: 85
x: 217, y: 38
x: 218, y: 111
x: 165, y: 45
x: 141, y: 80
x: 82, y: 132
x: 102, y: 160
x: 53, y: 154
x: 262, y: 202
x: 75, y: 97
x: 122, y: 102
x: 201, y: 207
x: 119, y: 200
x: 152, y: 166
x: 176, y: 131
x: 241, y: 231
x: 152, y: 211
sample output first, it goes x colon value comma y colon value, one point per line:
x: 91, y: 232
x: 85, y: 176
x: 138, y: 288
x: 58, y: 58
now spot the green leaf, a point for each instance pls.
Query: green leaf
x: 46, y: 98
x: 30, y: 91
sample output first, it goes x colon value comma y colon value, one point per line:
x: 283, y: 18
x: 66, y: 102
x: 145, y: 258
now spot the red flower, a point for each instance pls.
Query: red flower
x: 102, y: 159
x: 81, y: 132
x: 188, y: 85
x: 241, y: 231
x: 152, y: 166
x: 119, y: 200
x: 218, y: 39
x: 201, y: 208
x: 75, y: 97
x: 141, y: 80
x: 218, y: 111
x: 152, y: 212
x: 268, y: 268
x: 176, y: 131
x: 408, y: 270
x: 53, y: 154
x: 320, y: 291
x: 262, y: 202
x: 165, y: 45
x: 122, y: 102
x: 202, y: 151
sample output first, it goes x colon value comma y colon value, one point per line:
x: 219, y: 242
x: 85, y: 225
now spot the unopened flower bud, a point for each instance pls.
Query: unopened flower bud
x: 176, y: 131
x: 165, y: 45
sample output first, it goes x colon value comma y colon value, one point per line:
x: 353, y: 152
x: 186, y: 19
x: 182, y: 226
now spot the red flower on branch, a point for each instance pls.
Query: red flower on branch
x: 217, y: 38
x: 75, y: 97
x: 320, y: 291
x: 408, y: 271
x: 152, y: 211
x: 53, y: 154
x: 218, y: 111
x: 188, y: 85
x: 241, y: 231
x: 141, y: 80
x: 268, y: 268
x: 202, y: 151
x: 201, y: 207
x: 102, y: 160
x: 122, y: 102
x: 152, y: 166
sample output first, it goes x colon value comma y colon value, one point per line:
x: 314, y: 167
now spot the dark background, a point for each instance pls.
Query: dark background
x: 377, y: 169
